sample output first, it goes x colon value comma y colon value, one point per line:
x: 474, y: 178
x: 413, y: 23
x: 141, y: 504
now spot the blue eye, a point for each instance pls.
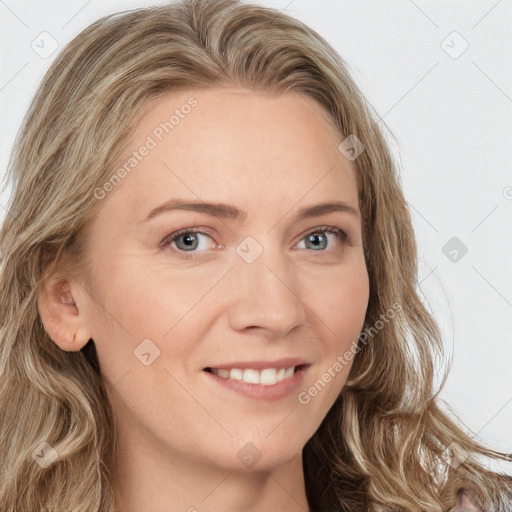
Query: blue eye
x: 319, y: 240
x: 187, y: 240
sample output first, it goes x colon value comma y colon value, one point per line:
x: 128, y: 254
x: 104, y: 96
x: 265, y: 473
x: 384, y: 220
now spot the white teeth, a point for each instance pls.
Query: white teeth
x: 267, y: 376
x: 251, y: 376
x: 289, y: 372
x: 236, y: 374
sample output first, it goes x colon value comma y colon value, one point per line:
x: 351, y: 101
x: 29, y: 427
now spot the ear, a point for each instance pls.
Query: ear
x: 60, y: 315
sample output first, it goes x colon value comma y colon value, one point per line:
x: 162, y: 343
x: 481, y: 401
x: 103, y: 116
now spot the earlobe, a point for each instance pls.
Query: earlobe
x: 60, y: 315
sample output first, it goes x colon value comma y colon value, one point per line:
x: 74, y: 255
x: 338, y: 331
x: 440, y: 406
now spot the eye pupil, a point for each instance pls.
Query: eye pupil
x: 191, y: 240
x: 315, y: 238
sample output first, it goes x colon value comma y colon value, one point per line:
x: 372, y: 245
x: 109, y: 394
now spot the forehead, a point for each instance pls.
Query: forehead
x: 235, y: 145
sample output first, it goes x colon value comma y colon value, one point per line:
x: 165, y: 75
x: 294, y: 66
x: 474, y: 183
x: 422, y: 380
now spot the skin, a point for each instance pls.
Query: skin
x: 179, y: 433
x: 466, y: 503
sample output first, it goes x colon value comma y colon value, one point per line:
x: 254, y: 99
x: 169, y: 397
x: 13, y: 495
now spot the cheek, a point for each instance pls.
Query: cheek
x: 168, y: 308
x: 342, y: 304
x: 342, y: 309
x: 348, y: 312
x: 150, y: 302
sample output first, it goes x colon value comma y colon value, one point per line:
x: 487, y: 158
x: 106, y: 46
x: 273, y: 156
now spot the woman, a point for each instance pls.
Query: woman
x: 208, y: 285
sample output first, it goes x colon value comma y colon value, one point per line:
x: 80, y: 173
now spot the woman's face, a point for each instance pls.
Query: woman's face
x: 254, y: 282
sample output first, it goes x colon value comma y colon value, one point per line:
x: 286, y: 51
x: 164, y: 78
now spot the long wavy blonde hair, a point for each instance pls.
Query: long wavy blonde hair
x: 383, y: 444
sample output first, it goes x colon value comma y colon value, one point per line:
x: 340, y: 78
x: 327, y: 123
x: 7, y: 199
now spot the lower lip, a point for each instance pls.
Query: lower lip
x: 275, y: 391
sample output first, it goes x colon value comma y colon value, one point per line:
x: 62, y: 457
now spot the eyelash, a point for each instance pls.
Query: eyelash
x: 340, y: 234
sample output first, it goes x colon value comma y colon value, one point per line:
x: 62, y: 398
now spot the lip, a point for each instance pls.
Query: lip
x: 276, y: 391
x: 286, y: 362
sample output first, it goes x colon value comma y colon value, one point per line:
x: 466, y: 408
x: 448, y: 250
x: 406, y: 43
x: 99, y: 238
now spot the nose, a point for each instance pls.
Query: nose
x: 266, y: 295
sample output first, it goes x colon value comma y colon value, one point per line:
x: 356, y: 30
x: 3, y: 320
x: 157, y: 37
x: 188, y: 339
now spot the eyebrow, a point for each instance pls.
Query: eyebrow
x: 227, y: 211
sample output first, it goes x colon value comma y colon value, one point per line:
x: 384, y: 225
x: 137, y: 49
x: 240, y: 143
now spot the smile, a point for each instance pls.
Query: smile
x: 270, y: 383
x: 266, y: 376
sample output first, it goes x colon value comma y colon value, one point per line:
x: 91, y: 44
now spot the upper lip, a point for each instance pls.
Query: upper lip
x: 286, y: 362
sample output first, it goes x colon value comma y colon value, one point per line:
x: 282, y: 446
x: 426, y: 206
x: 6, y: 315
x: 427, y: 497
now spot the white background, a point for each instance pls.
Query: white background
x: 450, y: 129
